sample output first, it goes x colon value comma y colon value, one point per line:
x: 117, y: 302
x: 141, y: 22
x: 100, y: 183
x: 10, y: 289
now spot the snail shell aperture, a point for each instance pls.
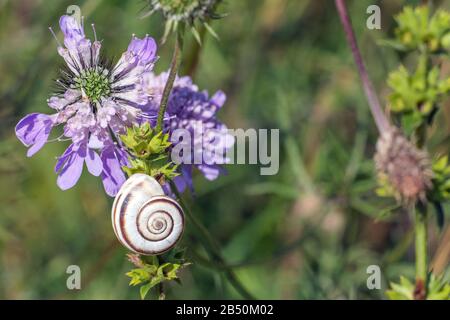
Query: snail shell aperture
x: 145, y: 220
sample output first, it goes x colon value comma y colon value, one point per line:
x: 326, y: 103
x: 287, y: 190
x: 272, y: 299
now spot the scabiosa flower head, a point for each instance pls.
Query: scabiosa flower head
x: 193, y: 110
x: 96, y: 103
x: 407, y: 168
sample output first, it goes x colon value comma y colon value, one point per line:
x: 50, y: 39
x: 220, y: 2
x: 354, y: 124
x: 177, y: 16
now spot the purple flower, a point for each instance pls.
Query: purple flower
x: 193, y: 110
x: 97, y: 103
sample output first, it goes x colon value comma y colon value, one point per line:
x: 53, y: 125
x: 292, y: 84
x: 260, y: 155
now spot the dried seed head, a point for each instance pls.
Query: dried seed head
x: 407, y: 168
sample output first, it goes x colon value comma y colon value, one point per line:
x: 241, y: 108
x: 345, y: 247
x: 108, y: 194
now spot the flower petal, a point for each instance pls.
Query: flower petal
x: 112, y: 175
x: 144, y: 50
x: 184, y: 180
x: 29, y: 127
x: 219, y: 98
x: 72, y: 30
x: 39, y: 142
x: 210, y: 172
x: 94, y: 163
x: 71, y: 171
x: 33, y: 130
x: 63, y: 158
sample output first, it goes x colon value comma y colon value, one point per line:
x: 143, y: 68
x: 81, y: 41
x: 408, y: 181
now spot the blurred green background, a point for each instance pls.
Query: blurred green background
x: 309, y: 232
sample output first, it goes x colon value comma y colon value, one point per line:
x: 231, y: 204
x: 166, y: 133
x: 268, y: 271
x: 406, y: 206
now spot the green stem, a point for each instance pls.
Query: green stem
x: 213, y: 248
x: 174, y: 65
x: 420, y: 211
x: 421, y: 245
x: 161, y: 292
x: 375, y: 107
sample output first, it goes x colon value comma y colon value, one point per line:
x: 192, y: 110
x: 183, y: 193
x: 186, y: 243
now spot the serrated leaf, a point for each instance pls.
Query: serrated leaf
x: 153, y: 272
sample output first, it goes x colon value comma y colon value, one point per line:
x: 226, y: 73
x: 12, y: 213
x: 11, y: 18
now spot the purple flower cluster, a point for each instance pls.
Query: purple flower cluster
x: 96, y: 104
x: 193, y: 110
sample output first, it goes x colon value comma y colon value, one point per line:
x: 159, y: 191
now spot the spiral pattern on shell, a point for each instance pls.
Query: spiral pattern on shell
x: 145, y: 220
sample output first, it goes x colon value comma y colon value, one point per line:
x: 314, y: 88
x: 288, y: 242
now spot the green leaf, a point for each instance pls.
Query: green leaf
x: 196, y: 35
x: 392, y: 43
x: 437, y: 289
x: 402, y: 291
x: 144, y: 290
x: 418, y: 29
x: 411, y: 121
x: 440, y: 164
x: 154, y: 271
x: 149, y: 153
x: 211, y: 30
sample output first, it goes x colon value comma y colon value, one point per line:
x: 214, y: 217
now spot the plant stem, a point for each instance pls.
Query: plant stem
x: 421, y: 244
x: 421, y: 253
x: 420, y: 211
x: 372, y: 98
x: 174, y: 65
x: 161, y: 293
x: 213, y: 248
x: 383, y: 124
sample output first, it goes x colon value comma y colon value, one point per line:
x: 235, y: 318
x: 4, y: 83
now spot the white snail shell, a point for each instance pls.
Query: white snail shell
x: 145, y: 220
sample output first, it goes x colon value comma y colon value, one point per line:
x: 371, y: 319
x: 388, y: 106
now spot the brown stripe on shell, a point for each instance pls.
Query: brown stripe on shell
x: 115, y: 213
x: 156, y: 198
x: 122, y: 220
x: 140, y: 211
x: 163, y: 198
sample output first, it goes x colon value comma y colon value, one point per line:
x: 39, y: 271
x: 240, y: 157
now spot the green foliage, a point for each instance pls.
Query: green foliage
x: 415, y: 100
x: 401, y: 291
x: 149, y: 151
x: 416, y: 96
x: 418, y: 30
x: 152, y: 271
x: 384, y: 188
x: 441, y: 180
x: 437, y: 289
